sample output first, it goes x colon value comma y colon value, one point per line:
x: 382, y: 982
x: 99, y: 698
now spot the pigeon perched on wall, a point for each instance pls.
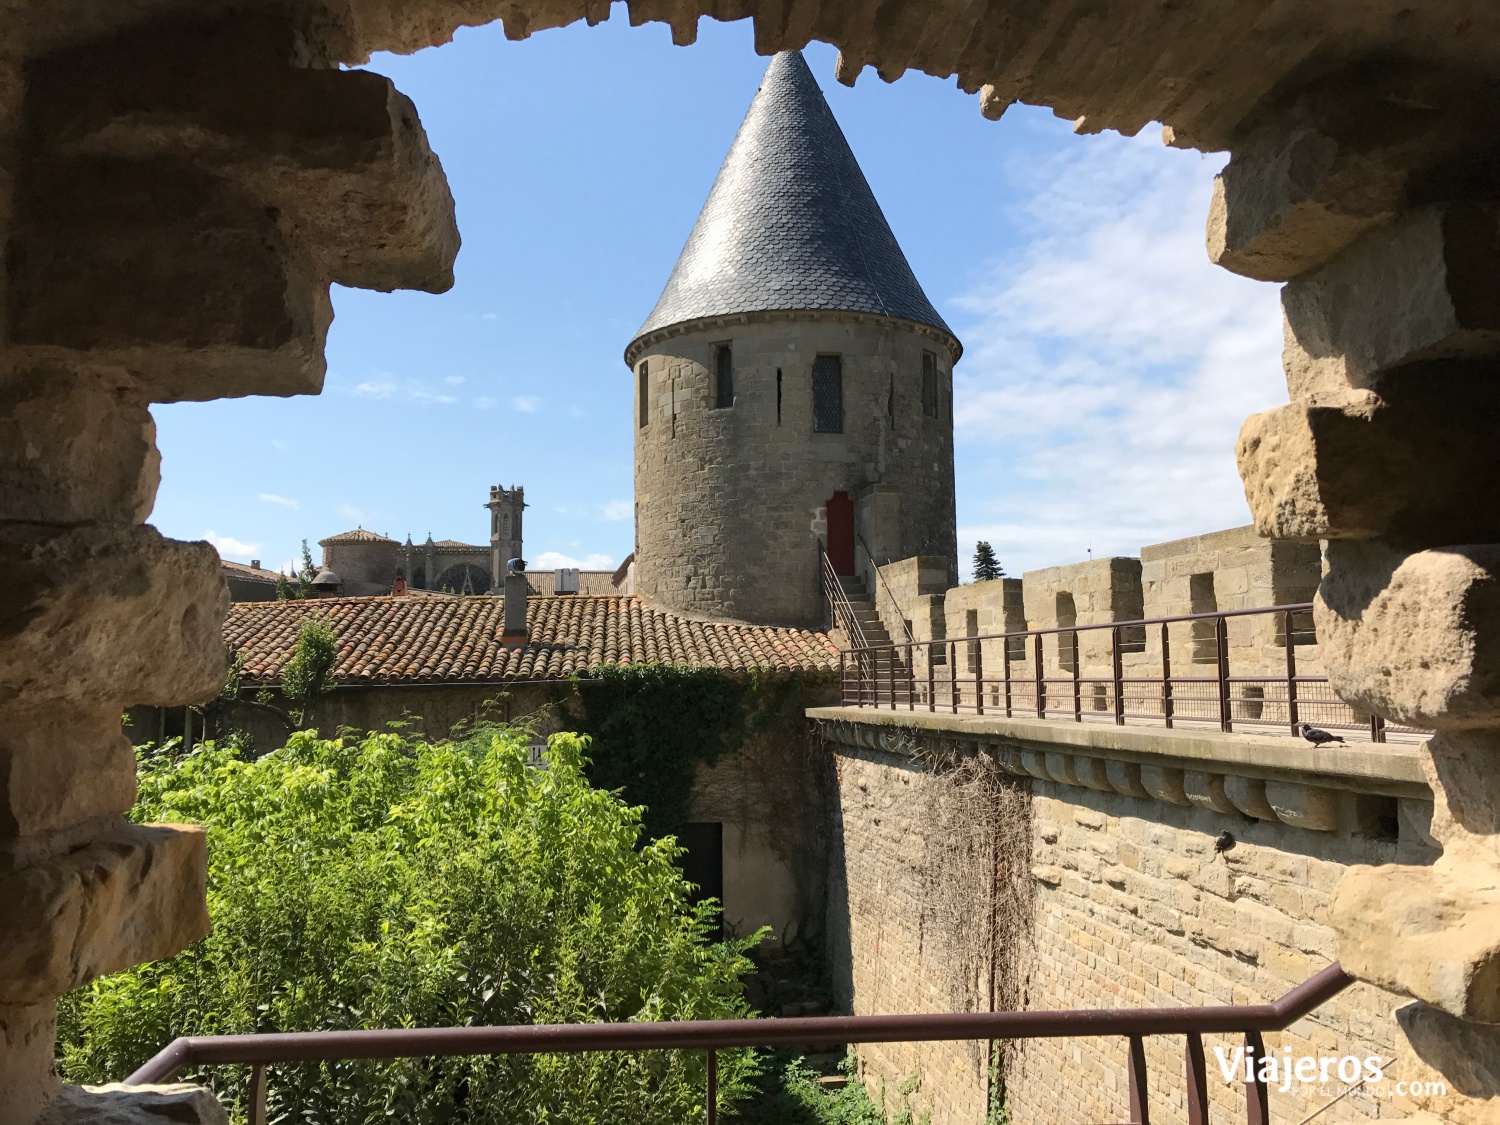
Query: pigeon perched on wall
x: 1224, y: 842
x: 1318, y: 736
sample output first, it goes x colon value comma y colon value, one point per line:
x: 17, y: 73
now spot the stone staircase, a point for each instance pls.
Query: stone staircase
x: 864, y: 610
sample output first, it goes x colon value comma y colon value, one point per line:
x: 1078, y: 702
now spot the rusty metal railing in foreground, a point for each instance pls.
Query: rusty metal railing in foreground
x: 1204, y: 669
x: 1251, y: 1021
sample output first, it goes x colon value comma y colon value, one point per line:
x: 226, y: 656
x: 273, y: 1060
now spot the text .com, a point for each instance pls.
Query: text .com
x: 1284, y: 1070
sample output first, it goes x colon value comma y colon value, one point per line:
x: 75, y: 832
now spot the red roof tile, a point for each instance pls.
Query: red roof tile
x: 387, y: 640
x: 359, y: 535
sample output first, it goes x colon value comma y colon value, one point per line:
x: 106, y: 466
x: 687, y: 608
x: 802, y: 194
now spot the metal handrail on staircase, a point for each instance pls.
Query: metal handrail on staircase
x: 911, y: 638
x: 841, y: 611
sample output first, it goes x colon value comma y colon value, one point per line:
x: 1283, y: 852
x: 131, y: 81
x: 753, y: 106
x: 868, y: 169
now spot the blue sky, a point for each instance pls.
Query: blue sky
x: 1107, y: 370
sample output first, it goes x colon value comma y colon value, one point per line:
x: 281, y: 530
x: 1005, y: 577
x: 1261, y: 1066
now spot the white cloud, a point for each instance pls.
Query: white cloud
x: 1110, y: 364
x: 350, y: 512
x: 619, y: 509
x: 527, y: 404
x: 376, y: 388
x: 554, y: 560
x: 232, y: 548
x: 280, y: 501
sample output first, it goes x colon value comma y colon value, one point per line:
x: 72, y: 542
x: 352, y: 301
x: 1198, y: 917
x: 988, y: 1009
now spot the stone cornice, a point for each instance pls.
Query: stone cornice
x: 1268, y: 778
x: 641, y: 343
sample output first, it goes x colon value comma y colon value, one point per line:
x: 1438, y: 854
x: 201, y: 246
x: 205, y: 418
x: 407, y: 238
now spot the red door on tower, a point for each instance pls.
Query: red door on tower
x: 841, y: 533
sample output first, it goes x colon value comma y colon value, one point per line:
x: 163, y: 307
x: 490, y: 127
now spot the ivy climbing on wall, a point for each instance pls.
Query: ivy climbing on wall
x: 653, y: 725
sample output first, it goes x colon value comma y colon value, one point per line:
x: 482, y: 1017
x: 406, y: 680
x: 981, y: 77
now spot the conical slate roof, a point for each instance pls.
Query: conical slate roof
x: 791, y: 223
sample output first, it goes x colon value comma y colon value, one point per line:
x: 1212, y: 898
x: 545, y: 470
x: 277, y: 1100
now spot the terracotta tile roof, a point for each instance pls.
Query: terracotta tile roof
x: 358, y: 535
x: 453, y: 544
x: 388, y: 640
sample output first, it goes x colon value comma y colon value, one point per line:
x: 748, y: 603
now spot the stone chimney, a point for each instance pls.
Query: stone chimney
x: 516, y: 589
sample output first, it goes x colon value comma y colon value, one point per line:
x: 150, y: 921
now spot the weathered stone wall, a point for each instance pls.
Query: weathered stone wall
x: 909, y: 595
x: 730, y: 501
x: 1133, y: 906
x: 1247, y: 571
x: 881, y: 954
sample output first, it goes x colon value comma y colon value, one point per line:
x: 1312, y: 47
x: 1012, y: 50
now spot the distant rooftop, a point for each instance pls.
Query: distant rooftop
x: 358, y: 535
x: 791, y: 223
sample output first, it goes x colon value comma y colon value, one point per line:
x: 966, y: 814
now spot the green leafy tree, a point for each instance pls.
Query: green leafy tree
x: 986, y: 565
x: 308, y: 673
x: 303, y: 589
x: 397, y: 883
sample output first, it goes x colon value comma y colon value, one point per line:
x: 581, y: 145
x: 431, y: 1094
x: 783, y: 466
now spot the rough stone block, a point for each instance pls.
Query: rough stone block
x: 1206, y: 790
x: 1411, y: 462
x: 134, y: 895
x: 1420, y: 289
x: 1278, y: 208
x: 27, y: 1059
x: 1414, y: 637
x: 1093, y: 773
x: 77, y: 444
x: 341, y: 153
x: 61, y: 767
x: 1125, y: 778
x: 177, y: 1103
x: 1248, y: 794
x: 1165, y: 784
x: 1466, y: 1054
x: 110, y: 614
x: 1427, y: 932
x: 1304, y: 806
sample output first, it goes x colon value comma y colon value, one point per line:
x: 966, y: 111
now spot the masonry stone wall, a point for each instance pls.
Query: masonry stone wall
x: 731, y: 501
x: 881, y: 956
x: 1133, y: 906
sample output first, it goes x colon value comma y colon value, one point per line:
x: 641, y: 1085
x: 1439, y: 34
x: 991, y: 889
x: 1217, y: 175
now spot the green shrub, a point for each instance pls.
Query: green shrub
x: 391, y: 883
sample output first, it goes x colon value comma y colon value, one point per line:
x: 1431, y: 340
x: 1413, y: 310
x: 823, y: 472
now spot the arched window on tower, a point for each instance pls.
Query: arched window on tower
x: 723, y: 377
x: 504, y: 525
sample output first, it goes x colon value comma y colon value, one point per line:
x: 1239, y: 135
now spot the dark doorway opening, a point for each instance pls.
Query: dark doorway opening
x: 841, y: 533
x: 703, y: 865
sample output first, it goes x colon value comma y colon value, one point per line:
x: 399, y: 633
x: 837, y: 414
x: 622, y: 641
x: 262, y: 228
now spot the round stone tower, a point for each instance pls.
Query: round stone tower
x: 793, y: 383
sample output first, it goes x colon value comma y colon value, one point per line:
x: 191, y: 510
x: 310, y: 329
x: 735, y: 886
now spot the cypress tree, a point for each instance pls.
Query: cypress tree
x: 986, y: 566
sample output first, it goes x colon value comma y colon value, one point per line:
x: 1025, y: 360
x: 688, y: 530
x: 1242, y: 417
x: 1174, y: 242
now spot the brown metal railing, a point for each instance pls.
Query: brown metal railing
x: 711, y: 1036
x: 840, y: 610
x: 1134, y: 673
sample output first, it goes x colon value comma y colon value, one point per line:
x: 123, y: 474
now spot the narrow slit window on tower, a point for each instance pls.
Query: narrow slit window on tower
x: 929, y: 385
x: 723, y: 377
x: 778, y: 396
x: 644, y: 392
x: 890, y: 403
x: 828, y: 394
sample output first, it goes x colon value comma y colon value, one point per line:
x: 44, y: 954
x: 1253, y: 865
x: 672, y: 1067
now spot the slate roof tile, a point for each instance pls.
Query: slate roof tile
x: 791, y: 222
